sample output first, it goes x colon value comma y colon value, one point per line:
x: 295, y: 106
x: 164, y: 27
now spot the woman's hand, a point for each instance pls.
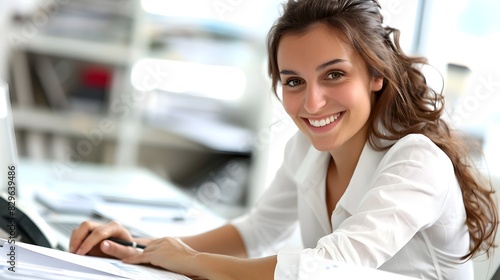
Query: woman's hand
x: 174, y: 255
x: 169, y: 253
x: 90, y: 239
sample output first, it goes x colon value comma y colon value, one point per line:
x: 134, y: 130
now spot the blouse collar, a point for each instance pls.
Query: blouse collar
x: 361, y: 179
x: 312, y: 172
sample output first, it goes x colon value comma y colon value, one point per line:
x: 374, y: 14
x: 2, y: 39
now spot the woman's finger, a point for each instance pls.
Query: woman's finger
x: 79, y: 234
x: 100, y: 233
x: 118, y: 251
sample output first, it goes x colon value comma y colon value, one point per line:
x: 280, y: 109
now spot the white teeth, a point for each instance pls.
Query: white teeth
x: 323, y: 122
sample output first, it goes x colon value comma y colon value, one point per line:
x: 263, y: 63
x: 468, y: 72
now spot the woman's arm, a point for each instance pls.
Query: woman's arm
x: 223, y: 267
x: 225, y: 240
x: 173, y: 254
x: 89, y: 237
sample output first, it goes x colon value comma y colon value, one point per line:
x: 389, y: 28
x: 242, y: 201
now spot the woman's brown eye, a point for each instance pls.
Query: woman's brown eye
x: 335, y: 75
x: 293, y: 82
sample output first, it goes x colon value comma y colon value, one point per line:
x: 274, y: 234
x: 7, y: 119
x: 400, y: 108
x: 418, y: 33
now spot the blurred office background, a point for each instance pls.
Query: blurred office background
x: 181, y: 87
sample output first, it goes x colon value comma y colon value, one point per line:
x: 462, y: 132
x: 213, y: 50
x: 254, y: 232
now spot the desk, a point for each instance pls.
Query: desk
x: 93, y: 181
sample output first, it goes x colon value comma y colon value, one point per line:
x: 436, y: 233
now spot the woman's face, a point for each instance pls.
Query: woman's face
x: 327, y: 89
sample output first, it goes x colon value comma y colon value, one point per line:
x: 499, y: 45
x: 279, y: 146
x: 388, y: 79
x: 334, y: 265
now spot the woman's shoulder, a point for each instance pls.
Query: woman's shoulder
x: 418, y: 147
x: 416, y: 140
x: 416, y: 158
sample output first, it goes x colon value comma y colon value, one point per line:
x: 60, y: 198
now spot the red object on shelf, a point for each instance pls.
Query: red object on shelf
x: 96, y: 77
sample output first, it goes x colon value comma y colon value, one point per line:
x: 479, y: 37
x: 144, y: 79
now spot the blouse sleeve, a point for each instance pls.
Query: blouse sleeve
x: 274, y: 218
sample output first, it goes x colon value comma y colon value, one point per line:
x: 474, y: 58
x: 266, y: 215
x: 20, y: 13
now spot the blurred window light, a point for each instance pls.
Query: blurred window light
x: 211, y: 81
x: 175, y: 9
x: 468, y: 35
x: 463, y: 45
x: 480, y: 18
x: 256, y: 15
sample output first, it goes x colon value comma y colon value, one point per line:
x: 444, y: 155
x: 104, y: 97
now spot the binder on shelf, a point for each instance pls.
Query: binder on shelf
x: 50, y: 83
x: 23, y: 89
x: 22, y: 79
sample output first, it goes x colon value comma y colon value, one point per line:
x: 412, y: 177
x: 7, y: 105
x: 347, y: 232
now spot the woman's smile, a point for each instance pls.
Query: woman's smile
x: 324, y: 124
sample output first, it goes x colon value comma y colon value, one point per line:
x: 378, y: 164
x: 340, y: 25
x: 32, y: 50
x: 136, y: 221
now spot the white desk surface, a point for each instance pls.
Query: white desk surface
x: 124, y: 182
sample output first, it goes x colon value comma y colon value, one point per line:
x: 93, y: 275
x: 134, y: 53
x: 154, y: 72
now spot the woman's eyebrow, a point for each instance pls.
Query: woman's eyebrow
x: 287, y: 72
x: 319, y: 68
x: 329, y: 63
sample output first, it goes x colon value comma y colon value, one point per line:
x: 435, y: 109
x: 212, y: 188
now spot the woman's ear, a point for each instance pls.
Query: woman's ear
x: 377, y: 83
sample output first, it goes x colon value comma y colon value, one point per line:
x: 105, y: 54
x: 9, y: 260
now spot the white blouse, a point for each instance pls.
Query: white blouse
x: 402, y: 212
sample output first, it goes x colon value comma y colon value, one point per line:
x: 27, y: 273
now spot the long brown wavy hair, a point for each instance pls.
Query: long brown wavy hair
x: 406, y: 104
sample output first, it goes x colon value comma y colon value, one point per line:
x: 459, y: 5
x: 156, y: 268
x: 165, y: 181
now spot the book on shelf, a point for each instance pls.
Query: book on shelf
x: 51, y: 85
x: 34, y: 144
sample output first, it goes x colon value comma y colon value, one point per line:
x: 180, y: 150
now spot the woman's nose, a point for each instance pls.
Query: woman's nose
x: 315, y: 99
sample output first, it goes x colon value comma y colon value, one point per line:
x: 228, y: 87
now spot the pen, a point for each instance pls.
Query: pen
x: 127, y: 243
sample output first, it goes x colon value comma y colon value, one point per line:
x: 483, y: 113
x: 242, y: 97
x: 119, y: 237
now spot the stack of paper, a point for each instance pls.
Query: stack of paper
x: 25, y: 261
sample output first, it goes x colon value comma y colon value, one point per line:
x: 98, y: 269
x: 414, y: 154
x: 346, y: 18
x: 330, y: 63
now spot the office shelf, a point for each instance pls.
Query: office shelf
x: 75, y: 124
x: 113, y: 53
x: 65, y: 82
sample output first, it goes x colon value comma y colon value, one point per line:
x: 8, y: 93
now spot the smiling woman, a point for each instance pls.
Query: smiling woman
x: 373, y: 178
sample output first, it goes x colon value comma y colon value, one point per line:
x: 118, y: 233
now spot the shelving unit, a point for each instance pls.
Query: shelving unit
x: 120, y: 131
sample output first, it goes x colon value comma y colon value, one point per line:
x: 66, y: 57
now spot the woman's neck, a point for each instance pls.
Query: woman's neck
x: 345, y: 158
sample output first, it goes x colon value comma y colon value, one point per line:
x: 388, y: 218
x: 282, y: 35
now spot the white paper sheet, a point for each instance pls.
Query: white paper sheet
x: 45, y: 261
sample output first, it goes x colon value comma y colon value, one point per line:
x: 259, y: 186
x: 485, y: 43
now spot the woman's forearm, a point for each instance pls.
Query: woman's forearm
x: 225, y: 240
x: 220, y: 267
